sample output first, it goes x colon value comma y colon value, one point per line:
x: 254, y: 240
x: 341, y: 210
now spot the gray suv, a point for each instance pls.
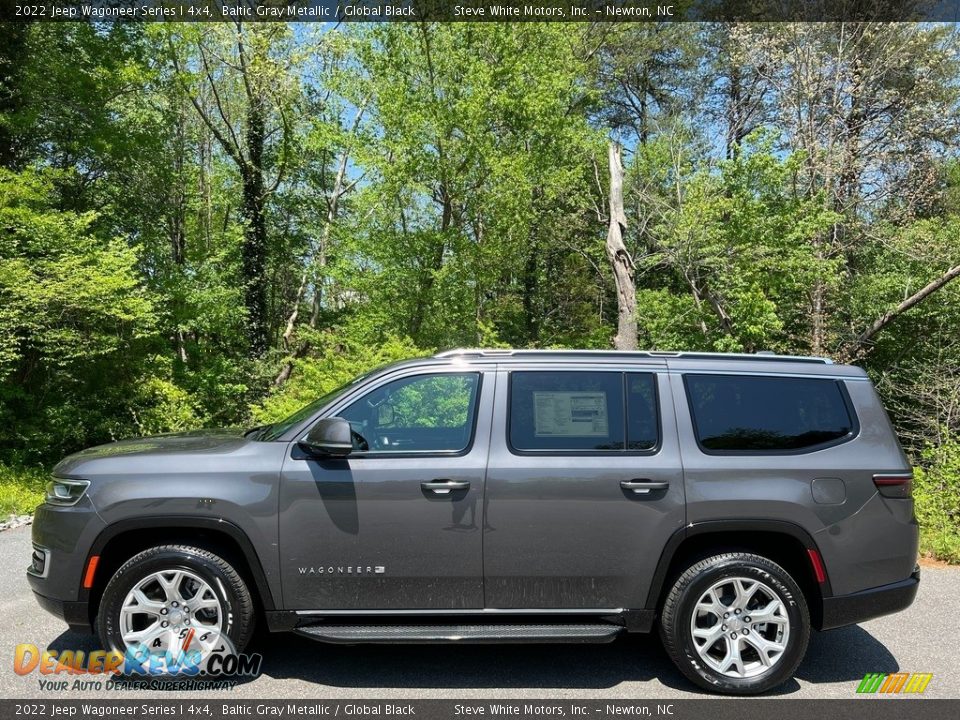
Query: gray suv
x: 732, y: 501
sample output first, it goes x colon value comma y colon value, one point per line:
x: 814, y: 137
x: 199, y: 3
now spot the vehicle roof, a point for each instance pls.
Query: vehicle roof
x: 763, y: 362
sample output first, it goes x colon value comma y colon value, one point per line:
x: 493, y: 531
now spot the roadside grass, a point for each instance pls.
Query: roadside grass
x: 939, y: 536
x: 936, y: 492
x: 941, y: 545
x: 21, y: 489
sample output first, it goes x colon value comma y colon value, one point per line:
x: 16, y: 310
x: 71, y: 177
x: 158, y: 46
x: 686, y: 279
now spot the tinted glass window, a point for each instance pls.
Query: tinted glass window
x: 642, y: 424
x: 750, y: 414
x: 566, y: 411
x: 421, y: 413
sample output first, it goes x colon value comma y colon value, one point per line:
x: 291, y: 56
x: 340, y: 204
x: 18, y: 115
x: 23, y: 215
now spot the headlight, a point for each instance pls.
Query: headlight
x: 65, y: 492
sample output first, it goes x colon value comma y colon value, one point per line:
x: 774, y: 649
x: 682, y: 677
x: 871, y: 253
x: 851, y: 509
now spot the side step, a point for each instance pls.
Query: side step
x: 476, y: 633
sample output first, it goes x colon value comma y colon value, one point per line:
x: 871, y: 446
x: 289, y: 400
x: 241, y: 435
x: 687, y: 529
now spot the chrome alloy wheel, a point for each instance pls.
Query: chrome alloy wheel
x: 740, y: 627
x: 172, y: 612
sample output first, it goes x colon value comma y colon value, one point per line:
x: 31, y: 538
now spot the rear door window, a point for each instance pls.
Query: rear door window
x: 583, y: 411
x: 757, y: 414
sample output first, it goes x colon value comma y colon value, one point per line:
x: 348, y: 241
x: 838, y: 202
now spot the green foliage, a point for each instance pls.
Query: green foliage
x: 740, y: 245
x: 339, y: 355
x: 936, y: 491
x: 478, y: 173
x: 432, y: 402
x: 21, y: 489
x: 73, y: 314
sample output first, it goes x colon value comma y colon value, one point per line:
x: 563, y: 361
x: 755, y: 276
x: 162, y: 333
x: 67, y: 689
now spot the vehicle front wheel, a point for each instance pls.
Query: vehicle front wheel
x: 736, y: 623
x: 175, y: 604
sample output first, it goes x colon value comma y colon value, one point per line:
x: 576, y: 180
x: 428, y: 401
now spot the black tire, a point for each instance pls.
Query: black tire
x: 678, y: 610
x: 223, y: 579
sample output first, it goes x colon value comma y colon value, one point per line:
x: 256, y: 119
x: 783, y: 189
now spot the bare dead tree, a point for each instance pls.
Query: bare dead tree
x: 621, y: 262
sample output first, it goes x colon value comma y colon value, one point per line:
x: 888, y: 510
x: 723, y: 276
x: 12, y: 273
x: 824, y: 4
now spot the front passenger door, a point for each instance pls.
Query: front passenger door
x: 397, y: 524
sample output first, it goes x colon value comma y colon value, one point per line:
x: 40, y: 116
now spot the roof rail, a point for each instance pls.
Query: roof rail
x: 456, y: 352
x: 759, y: 356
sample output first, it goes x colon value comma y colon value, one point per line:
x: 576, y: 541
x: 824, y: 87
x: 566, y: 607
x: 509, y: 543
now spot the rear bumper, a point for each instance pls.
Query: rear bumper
x: 867, y: 604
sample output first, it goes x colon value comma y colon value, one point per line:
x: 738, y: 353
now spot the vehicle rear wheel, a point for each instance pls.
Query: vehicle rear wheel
x: 178, y: 604
x: 736, y: 623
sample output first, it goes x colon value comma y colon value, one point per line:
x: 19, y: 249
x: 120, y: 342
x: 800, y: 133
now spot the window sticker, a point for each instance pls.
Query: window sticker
x: 569, y: 414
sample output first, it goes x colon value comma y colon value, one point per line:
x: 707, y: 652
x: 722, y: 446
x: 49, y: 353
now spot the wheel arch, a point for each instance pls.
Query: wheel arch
x: 120, y: 541
x: 784, y: 542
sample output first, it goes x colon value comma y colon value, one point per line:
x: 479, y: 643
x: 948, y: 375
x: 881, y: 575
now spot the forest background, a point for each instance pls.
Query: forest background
x: 213, y: 224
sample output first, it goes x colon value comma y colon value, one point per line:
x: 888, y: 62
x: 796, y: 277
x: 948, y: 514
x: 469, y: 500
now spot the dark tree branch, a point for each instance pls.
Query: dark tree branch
x: 859, y: 347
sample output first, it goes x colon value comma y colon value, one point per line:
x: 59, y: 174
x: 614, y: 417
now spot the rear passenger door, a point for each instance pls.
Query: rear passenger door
x: 584, y: 487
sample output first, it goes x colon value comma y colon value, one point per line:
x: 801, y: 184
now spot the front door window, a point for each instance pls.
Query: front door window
x: 422, y: 414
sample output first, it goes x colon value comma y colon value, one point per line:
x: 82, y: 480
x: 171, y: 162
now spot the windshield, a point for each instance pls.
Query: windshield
x: 276, y: 430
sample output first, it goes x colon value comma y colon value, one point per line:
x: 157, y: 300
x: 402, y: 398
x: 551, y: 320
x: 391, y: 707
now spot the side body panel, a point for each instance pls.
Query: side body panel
x: 865, y: 540
x: 559, y: 530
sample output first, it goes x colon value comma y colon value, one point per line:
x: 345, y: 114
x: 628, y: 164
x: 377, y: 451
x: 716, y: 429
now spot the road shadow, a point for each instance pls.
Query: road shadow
x: 463, y: 666
x: 70, y: 640
x: 837, y: 656
x: 844, y: 655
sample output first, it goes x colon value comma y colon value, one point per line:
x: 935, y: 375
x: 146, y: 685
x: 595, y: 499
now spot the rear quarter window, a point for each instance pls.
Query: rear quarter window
x: 744, y: 414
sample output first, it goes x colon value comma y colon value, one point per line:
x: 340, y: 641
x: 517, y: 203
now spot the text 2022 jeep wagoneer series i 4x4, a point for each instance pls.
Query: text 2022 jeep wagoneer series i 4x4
x: 732, y: 501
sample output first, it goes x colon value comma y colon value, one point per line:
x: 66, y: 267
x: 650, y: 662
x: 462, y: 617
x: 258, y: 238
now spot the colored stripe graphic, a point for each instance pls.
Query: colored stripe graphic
x: 918, y: 682
x: 871, y: 682
x: 892, y: 683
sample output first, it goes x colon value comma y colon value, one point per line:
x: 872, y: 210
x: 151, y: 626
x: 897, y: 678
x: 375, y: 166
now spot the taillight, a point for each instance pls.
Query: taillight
x: 894, y: 485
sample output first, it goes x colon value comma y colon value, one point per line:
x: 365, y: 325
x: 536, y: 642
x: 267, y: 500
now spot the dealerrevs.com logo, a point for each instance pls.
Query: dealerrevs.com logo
x: 111, y: 669
x: 894, y: 683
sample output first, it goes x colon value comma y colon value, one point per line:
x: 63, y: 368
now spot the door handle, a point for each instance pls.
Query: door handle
x: 443, y: 487
x: 644, y: 487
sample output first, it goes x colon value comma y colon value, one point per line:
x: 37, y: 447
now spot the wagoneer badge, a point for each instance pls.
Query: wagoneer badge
x: 343, y: 570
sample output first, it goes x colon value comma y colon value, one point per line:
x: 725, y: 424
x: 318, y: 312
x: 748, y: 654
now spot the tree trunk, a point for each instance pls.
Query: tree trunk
x: 13, y: 58
x: 818, y: 301
x: 429, y: 275
x: 255, y: 234
x: 177, y: 221
x: 530, y: 292
x: 620, y: 260
x: 734, y: 108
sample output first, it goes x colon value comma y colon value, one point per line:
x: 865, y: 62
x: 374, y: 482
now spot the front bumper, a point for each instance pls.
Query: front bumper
x: 857, y: 607
x: 75, y: 613
x: 63, y: 536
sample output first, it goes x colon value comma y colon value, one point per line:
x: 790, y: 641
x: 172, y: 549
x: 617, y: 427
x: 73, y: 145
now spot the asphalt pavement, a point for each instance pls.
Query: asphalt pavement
x: 924, y: 638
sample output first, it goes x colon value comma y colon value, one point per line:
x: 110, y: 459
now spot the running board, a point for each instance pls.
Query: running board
x: 476, y: 633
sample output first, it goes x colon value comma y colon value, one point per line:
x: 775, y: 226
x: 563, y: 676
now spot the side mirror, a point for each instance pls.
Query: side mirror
x: 330, y: 436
